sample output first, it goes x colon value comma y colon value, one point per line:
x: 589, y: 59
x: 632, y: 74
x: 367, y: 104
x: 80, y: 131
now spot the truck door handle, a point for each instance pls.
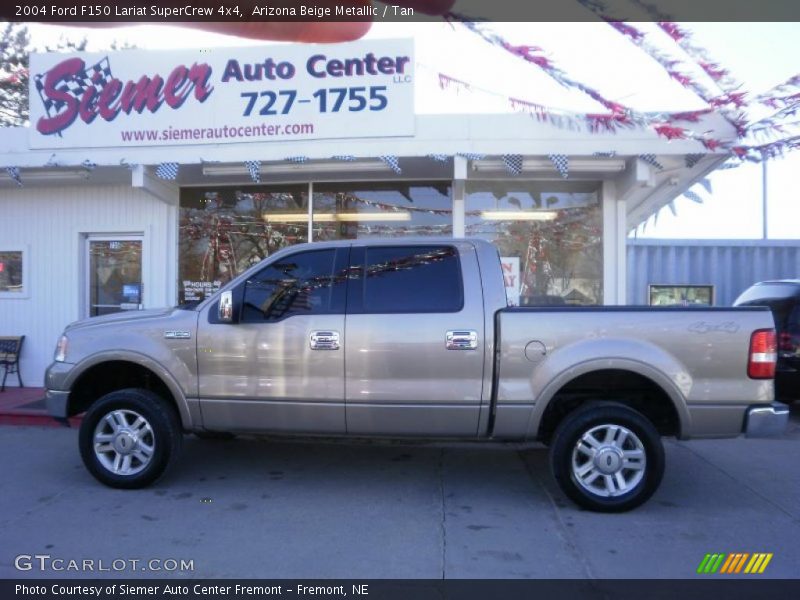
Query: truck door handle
x: 461, y: 340
x: 324, y: 340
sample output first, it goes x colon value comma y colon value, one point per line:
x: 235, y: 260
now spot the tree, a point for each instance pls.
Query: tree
x: 15, y: 47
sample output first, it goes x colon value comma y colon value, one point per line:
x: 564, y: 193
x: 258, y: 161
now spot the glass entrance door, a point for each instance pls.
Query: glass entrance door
x: 115, y: 274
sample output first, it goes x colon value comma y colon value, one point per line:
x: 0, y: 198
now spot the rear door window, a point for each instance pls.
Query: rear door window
x: 406, y: 279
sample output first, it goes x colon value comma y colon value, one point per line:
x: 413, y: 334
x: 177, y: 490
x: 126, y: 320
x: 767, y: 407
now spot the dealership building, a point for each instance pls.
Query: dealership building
x: 149, y: 179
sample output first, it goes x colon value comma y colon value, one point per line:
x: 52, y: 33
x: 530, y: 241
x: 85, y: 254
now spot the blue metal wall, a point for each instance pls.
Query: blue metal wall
x: 731, y: 266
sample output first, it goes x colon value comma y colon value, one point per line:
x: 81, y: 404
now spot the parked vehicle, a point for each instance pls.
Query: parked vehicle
x: 414, y: 338
x: 783, y: 299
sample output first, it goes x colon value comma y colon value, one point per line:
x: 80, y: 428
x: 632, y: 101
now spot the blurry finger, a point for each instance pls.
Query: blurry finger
x: 311, y: 31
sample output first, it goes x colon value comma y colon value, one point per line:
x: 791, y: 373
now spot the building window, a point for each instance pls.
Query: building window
x: 225, y: 230
x: 380, y: 210
x: 681, y: 295
x: 12, y: 276
x: 549, y: 235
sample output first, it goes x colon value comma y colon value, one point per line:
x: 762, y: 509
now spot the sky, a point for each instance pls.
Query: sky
x: 760, y: 55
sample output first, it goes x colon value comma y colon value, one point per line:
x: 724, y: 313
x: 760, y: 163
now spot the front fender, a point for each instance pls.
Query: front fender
x: 189, y: 415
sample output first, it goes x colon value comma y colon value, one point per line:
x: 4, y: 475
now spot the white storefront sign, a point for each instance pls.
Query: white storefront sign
x: 510, y: 266
x: 267, y: 93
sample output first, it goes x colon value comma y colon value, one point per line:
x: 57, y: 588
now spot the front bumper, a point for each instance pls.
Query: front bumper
x: 766, y: 421
x: 57, y: 403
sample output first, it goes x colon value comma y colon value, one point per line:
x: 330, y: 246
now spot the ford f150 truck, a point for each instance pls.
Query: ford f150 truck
x: 407, y: 338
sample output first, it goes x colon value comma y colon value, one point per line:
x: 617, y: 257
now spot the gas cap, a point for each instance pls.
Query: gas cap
x: 535, y: 351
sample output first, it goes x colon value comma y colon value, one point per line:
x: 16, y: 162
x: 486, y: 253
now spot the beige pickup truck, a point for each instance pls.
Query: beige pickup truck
x: 414, y: 338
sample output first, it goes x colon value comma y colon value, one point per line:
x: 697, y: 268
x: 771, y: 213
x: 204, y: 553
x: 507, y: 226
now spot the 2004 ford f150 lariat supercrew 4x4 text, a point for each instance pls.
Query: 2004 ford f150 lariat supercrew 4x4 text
x: 414, y: 338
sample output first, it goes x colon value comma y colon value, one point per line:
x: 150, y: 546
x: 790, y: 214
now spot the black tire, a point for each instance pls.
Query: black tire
x: 163, y: 436
x: 600, y: 417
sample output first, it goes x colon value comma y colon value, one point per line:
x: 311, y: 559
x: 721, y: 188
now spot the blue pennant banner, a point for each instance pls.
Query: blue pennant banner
x: 167, y: 170
x: 254, y: 168
x: 513, y: 163
x: 561, y: 163
x: 13, y: 172
x: 393, y: 163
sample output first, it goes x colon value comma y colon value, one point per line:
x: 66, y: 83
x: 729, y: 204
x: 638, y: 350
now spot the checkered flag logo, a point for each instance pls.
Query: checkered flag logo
x: 393, y: 163
x: 254, y: 168
x: 513, y: 163
x: 97, y: 76
x: 651, y: 159
x: 472, y: 155
x: 167, y: 170
x: 13, y: 172
x: 561, y: 163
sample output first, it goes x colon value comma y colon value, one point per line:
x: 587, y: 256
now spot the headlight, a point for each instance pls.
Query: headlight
x: 61, y: 349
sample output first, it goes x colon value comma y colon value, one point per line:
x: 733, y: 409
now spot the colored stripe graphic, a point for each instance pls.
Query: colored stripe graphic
x: 734, y: 562
x: 703, y: 563
x: 741, y: 563
x: 729, y: 563
x: 766, y: 562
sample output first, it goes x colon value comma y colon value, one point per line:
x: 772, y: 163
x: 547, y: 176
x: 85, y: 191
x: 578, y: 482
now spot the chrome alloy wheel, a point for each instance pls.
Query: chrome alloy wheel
x: 124, y: 442
x: 608, y: 460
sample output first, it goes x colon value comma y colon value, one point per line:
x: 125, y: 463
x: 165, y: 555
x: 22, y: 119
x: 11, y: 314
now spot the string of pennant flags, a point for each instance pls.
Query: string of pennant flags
x: 669, y: 64
x: 513, y: 164
x: 732, y: 95
x: 783, y: 98
x: 665, y: 125
x: 662, y: 123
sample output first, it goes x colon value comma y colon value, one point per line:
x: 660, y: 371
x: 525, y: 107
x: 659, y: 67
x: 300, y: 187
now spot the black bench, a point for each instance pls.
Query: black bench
x: 10, y: 349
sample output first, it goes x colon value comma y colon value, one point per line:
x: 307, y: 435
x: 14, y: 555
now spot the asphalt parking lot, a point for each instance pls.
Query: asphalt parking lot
x: 279, y: 509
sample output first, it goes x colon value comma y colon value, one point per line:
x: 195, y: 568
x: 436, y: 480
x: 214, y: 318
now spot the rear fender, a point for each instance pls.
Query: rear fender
x: 574, y: 360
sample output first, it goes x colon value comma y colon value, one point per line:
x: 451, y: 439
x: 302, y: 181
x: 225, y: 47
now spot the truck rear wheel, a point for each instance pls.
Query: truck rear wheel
x: 129, y: 437
x: 607, y: 457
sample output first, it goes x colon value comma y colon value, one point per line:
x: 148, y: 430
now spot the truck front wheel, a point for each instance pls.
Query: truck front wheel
x: 607, y: 457
x: 129, y: 437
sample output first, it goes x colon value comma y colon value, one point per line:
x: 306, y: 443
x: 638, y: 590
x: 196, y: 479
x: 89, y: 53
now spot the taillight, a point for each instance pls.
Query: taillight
x: 763, y: 354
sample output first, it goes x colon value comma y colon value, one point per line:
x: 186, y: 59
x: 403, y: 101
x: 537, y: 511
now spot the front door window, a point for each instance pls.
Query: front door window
x: 115, y: 275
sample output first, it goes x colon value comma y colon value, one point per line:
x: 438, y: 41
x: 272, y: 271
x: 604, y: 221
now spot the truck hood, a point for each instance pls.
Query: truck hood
x: 125, y: 316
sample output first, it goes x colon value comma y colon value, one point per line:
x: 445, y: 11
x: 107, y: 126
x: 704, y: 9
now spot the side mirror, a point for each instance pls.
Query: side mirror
x: 225, y: 311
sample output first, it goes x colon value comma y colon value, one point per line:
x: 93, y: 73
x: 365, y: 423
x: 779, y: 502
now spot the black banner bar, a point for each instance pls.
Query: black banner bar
x: 231, y: 589
x: 276, y: 11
